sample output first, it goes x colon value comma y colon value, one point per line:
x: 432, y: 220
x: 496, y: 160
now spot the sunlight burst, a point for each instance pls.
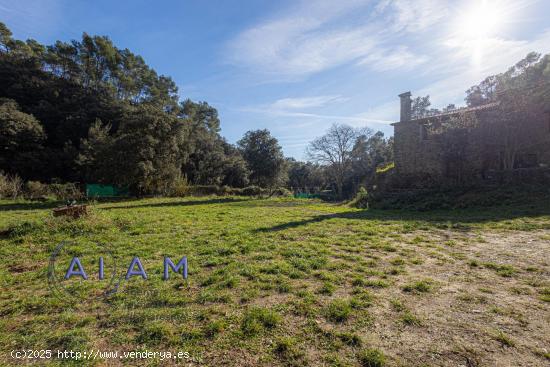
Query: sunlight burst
x: 481, y: 21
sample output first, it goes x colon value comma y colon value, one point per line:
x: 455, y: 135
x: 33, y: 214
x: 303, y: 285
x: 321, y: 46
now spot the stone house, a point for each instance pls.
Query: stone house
x: 466, y: 144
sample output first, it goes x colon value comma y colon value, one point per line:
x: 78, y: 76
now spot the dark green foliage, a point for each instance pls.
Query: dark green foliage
x: 88, y: 111
x: 252, y: 191
x: 264, y: 157
x: 305, y: 176
x: 21, y: 140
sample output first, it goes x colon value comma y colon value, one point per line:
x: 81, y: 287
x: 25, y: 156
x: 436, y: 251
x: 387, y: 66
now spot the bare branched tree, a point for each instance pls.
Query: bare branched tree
x: 334, y: 150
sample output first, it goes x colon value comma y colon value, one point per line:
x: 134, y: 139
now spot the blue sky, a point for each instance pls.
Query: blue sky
x: 296, y: 67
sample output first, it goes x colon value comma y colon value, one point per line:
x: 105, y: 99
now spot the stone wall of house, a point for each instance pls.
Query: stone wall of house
x: 424, y: 159
x: 414, y: 153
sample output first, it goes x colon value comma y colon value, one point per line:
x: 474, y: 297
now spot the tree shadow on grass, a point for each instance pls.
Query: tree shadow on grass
x: 28, y: 206
x: 177, y: 203
x: 462, y: 219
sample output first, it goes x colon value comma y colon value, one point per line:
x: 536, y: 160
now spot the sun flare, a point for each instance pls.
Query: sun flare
x: 481, y: 21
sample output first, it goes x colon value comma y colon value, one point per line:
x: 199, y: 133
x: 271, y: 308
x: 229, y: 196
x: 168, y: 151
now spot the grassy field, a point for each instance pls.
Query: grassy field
x: 285, y: 282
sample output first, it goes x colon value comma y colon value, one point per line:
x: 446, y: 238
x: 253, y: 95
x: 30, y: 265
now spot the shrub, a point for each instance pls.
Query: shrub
x: 225, y: 190
x: 36, y: 189
x: 65, y: 191
x: 283, y: 192
x: 372, y: 358
x: 203, y: 190
x: 10, y: 186
x: 361, y: 199
x: 252, y: 191
x: 180, y: 187
x: 236, y: 191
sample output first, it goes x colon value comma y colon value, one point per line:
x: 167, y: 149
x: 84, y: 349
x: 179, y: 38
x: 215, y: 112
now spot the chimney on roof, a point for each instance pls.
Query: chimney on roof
x: 406, y: 106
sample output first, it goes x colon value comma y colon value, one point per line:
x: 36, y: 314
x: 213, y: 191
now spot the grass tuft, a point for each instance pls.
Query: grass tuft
x: 257, y: 319
x: 421, y: 286
x: 338, y: 311
x: 371, y: 358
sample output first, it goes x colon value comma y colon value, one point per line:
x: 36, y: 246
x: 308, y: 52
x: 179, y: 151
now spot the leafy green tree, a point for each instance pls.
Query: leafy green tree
x: 5, y: 37
x: 21, y: 139
x: 305, y: 176
x: 369, y: 153
x: 235, y: 170
x: 264, y: 158
x: 96, y: 154
x: 145, y: 153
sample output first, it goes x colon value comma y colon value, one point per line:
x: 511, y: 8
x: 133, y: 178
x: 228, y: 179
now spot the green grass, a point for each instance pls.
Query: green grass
x: 372, y: 358
x: 504, y: 339
x: 338, y: 311
x: 421, y: 286
x: 272, y: 282
x: 258, y: 319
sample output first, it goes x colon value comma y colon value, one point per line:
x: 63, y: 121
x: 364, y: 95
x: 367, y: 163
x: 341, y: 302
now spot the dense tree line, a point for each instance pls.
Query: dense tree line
x: 87, y: 111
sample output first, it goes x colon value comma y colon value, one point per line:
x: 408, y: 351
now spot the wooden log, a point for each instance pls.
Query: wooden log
x: 75, y: 211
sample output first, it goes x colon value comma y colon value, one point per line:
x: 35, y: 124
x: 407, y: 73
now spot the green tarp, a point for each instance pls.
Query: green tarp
x: 102, y: 191
x: 303, y: 195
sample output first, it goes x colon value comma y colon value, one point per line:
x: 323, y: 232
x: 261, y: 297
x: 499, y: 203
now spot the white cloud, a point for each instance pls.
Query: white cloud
x: 305, y: 102
x: 358, y: 119
x: 392, y: 59
x: 412, y: 15
x: 296, y: 47
x: 314, y: 37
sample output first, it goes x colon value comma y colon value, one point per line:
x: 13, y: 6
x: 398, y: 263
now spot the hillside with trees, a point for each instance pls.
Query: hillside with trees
x: 87, y: 111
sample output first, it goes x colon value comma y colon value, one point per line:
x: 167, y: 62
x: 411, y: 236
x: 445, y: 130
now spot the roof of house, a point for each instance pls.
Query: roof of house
x: 452, y: 112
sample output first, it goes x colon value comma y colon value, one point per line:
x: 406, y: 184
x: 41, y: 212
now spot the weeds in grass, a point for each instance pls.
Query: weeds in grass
x: 214, y: 327
x: 397, y: 305
x: 287, y: 349
x: 327, y: 289
x: 474, y: 263
x: 410, y: 319
x: 257, y: 319
x: 397, y: 261
x: 421, y: 286
x: 154, y: 333
x: 338, y: 311
x: 502, y: 270
x: 371, y: 358
x: 503, y: 339
x: 350, y: 339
